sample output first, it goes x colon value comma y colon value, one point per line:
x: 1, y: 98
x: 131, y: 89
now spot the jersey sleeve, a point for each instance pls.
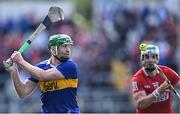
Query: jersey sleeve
x: 33, y: 79
x: 68, y: 69
x: 136, y: 85
x: 172, y: 76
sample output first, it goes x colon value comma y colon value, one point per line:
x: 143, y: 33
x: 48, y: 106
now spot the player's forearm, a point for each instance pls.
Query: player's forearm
x: 35, y: 72
x: 18, y: 84
x: 40, y: 74
x: 145, y: 101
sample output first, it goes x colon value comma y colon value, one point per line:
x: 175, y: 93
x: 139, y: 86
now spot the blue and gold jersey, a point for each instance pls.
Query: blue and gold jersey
x: 60, y: 95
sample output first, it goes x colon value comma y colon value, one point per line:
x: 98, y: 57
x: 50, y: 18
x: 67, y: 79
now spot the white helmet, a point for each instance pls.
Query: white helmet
x: 149, y: 56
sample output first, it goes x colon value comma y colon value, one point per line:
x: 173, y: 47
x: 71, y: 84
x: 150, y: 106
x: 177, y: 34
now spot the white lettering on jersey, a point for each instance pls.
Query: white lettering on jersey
x: 147, y: 86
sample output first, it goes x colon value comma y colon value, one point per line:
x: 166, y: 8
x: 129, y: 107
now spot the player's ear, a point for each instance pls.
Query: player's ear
x: 52, y: 49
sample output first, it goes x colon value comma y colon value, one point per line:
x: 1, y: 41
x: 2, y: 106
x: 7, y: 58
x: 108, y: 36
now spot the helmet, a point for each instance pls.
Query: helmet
x: 59, y: 39
x: 148, y: 51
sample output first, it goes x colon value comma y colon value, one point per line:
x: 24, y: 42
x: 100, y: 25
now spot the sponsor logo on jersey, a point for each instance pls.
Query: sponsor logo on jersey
x: 58, y: 84
x: 147, y: 86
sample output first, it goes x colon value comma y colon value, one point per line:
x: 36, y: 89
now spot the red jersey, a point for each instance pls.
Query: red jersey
x: 142, y: 82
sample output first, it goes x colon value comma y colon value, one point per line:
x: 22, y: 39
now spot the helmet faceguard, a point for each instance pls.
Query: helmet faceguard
x: 149, y: 56
x: 57, y: 41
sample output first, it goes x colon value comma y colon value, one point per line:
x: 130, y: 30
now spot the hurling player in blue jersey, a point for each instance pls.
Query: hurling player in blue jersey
x: 57, y: 77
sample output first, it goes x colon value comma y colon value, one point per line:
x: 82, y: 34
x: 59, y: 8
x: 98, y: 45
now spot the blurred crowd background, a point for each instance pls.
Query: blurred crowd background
x: 106, y: 35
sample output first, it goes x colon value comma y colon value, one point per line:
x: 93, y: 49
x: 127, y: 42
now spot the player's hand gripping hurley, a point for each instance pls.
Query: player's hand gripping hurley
x: 55, y: 14
x: 165, y: 77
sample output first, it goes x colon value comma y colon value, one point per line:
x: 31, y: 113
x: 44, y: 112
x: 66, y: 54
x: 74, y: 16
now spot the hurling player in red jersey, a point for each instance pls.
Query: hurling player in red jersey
x: 151, y: 93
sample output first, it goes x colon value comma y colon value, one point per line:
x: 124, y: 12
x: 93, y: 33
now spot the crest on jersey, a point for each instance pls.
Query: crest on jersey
x: 156, y: 85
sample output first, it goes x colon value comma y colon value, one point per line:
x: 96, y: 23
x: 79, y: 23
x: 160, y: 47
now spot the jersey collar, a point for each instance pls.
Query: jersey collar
x: 49, y: 62
x: 147, y: 73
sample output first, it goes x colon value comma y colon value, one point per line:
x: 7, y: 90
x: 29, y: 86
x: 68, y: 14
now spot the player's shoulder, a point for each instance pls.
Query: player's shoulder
x: 165, y: 68
x: 138, y: 74
x: 69, y: 63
